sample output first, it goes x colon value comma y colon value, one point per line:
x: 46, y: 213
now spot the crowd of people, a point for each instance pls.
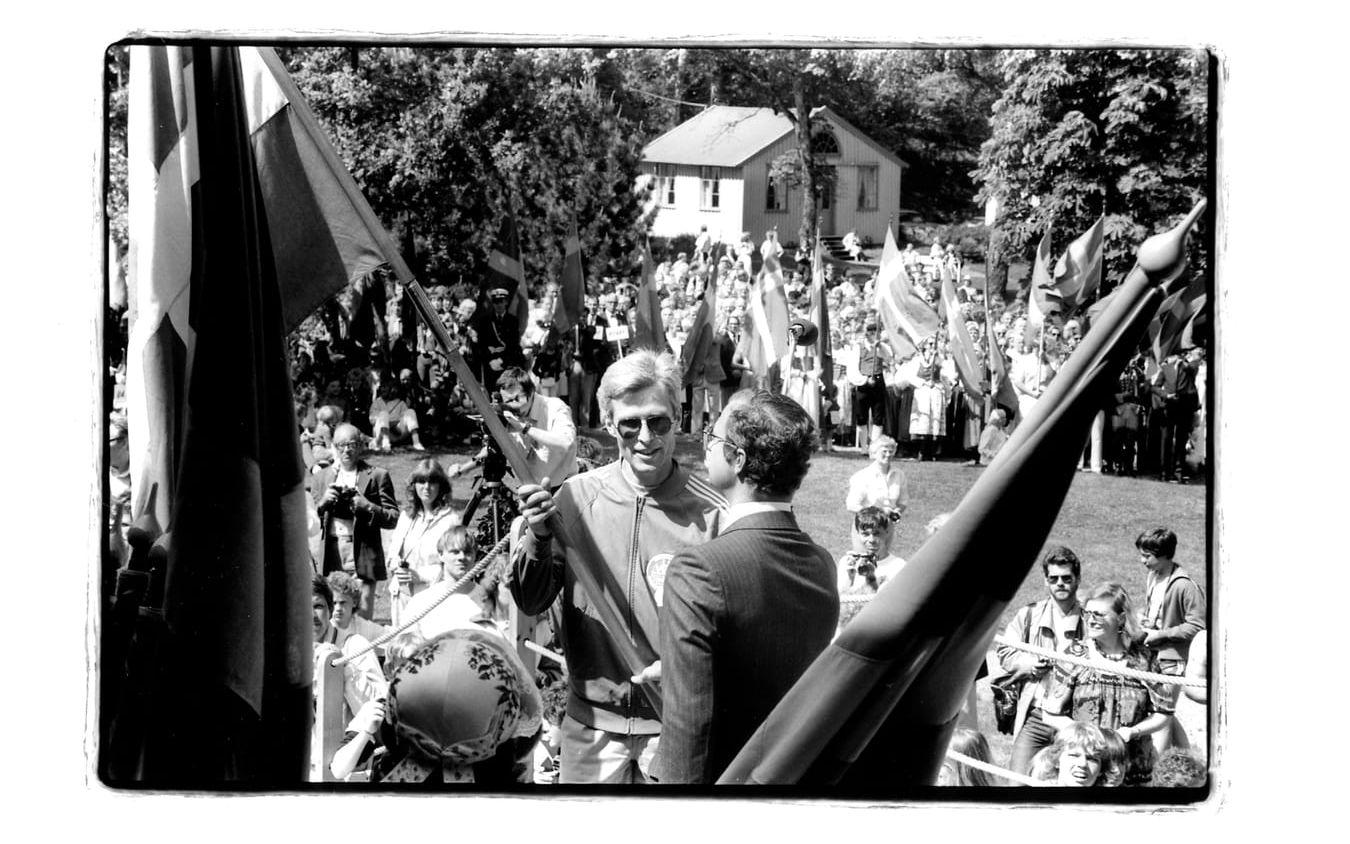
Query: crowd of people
x: 716, y: 576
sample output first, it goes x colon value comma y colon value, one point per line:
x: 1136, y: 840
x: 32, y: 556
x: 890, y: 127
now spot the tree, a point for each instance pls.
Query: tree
x: 1079, y: 133
x: 446, y: 141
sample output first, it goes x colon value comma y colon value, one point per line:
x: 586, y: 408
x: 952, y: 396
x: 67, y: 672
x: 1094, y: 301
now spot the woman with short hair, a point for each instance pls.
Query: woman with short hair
x: 879, y: 484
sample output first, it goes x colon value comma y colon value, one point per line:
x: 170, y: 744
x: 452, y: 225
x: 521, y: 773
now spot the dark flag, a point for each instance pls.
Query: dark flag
x: 878, y: 706
x: 571, y: 293
x: 648, y: 332
x: 699, y: 344
x: 820, y: 313
x: 506, y: 271
x: 231, y: 702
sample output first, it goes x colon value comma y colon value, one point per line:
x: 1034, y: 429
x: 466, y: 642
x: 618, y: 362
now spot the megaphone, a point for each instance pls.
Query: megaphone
x: 804, y: 331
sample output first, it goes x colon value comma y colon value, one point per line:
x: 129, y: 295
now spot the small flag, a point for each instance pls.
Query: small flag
x: 572, y: 291
x: 908, y: 320
x: 506, y: 271
x: 1043, y: 298
x: 967, y: 360
x: 649, y: 333
x: 1078, y: 272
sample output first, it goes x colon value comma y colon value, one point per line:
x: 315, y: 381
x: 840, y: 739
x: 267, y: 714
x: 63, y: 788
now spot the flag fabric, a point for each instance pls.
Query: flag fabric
x: 232, y: 703
x: 506, y: 271
x: 1000, y: 384
x: 879, y: 704
x: 908, y: 320
x: 648, y: 331
x: 699, y: 344
x: 764, y: 335
x: 323, y: 234
x: 1042, y: 299
x: 1078, y: 273
x: 1175, y: 313
x: 320, y: 235
x: 820, y: 314
x: 968, y: 368
x: 571, y: 293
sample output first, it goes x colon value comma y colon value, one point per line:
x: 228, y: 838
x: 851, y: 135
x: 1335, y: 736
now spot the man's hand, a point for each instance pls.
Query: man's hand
x: 330, y: 496
x: 1030, y: 666
x: 513, y: 422
x: 1152, y: 637
x: 536, y: 505
x: 650, y: 674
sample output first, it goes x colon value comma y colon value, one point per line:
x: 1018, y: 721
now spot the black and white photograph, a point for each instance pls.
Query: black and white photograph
x: 822, y: 421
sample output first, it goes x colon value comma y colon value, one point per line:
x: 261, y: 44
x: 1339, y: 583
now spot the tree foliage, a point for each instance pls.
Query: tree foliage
x: 444, y: 142
x: 1079, y: 133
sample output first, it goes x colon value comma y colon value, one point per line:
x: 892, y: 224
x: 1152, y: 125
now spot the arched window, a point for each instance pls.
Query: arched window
x: 823, y: 142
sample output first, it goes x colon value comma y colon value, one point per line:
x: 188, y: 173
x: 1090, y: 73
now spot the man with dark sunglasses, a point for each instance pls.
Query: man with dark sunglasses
x: 1055, y: 623
x: 640, y: 511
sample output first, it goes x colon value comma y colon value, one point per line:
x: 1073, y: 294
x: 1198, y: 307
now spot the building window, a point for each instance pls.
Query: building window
x: 710, y: 198
x: 775, y: 192
x: 867, y: 187
x: 665, y: 184
x: 823, y: 142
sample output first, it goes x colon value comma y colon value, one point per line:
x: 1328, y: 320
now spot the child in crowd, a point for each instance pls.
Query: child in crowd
x: 970, y: 743
x: 1115, y: 759
x: 993, y: 437
x: 548, y: 752
x: 1172, y: 616
x: 1077, y: 755
x: 1178, y: 768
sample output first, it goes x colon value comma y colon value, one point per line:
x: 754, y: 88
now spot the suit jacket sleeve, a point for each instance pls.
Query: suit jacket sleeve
x: 692, y: 603
x: 383, y: 512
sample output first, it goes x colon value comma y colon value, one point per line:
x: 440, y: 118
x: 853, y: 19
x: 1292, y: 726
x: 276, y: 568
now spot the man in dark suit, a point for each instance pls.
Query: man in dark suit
x: 355, y: 501
x: 743, y: 615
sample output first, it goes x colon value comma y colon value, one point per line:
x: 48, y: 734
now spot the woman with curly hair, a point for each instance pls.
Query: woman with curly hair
x: 1103, y: 698
x: 413, y: 545
x: 1074, y: 760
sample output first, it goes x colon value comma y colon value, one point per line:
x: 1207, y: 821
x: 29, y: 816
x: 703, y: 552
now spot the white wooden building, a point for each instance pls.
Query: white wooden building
x: 713, y: 170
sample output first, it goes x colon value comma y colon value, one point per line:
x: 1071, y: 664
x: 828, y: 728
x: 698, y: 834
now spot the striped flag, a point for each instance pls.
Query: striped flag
x: 967, y: 359
x: 571, y: 293
x: 764, y: 338
x: 648, y: 332
x: 214, y: 404
x: 820, y: 314
x: 1078, y: 273
x: 1043, y: 298
x: 908, y: 320
x: 323, y: 235
x: 506, y: 271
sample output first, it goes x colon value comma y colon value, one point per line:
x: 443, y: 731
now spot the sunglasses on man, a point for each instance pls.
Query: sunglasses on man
x: 629, y: 429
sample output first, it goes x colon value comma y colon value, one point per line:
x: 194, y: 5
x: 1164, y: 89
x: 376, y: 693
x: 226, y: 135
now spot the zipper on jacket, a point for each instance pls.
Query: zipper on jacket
x: 632, y: 589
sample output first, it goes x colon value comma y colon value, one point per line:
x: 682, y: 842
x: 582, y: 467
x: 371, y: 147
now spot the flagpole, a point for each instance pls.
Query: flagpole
x: 988, y: 329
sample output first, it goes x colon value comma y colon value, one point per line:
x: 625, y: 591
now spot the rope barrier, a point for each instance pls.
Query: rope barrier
x: 1146, y: 676
x: 465, y: 578
x: 1022, y: 779
x: 545, y: 652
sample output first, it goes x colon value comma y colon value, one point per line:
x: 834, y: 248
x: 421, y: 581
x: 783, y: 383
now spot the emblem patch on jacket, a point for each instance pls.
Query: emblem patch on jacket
x: 655, y: 574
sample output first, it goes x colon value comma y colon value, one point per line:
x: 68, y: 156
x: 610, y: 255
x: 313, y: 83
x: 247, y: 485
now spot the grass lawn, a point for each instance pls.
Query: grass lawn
x: 1100, y: 518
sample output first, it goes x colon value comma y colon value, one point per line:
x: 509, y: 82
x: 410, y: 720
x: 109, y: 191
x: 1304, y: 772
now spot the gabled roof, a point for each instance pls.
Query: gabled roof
x: 719, y: 136
x: 727, y: 136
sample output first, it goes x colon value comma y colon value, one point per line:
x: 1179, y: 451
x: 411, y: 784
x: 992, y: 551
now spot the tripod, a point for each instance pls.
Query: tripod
x: 494, y: 522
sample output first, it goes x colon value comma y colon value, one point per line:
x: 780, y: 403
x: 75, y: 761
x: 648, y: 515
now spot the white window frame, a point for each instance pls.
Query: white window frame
x: 710, y: 190
x: 665, y: 185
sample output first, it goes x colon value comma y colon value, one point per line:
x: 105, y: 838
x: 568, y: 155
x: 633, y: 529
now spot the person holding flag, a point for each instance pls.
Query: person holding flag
x: 640, y: 510
x: 494, y: 336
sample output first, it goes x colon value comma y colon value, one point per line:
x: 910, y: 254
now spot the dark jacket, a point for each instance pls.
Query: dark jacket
x: 381, y: 511
x: 741, y: 619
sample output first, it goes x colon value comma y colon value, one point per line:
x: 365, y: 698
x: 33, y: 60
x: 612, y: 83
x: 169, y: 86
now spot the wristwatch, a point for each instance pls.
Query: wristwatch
x: 525, y: 429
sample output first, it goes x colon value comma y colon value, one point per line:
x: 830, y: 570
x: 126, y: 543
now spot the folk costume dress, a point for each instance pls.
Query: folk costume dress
x: 1111, y: 701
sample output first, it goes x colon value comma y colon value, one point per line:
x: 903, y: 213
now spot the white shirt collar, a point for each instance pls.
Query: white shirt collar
x: 736, y: 512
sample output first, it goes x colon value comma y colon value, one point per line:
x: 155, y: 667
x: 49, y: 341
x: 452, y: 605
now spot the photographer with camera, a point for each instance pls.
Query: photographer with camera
x: 870, y: 563
x: 541, y: 425
x: 355, y: 501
